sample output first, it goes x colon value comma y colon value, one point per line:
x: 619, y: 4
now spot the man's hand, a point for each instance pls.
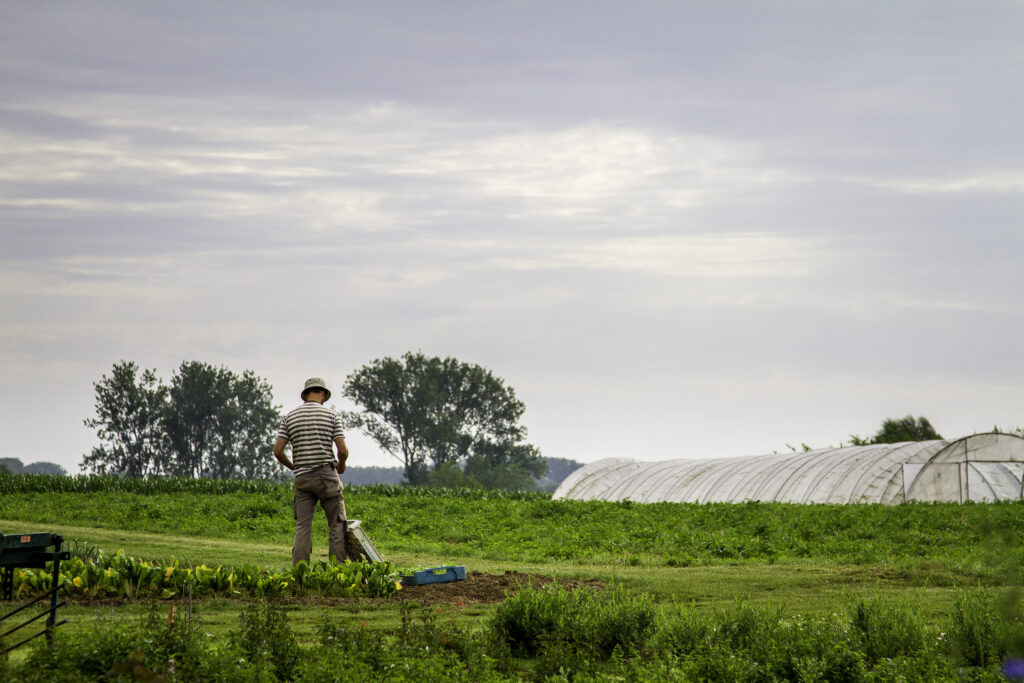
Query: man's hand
x: 341, y: 467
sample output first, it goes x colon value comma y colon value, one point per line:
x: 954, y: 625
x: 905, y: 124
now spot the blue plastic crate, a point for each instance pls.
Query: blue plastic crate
x: 435, y: 575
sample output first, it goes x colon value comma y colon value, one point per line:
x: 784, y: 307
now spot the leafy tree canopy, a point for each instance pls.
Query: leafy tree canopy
x: 898, y: 430
x: 208, y: 422
x: 432, y: 413
x: 220, y: 424
x: 129, y: 410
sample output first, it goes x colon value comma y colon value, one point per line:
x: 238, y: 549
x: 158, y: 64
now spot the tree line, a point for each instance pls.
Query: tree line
x: 447, y: 422
x: 16, y: 466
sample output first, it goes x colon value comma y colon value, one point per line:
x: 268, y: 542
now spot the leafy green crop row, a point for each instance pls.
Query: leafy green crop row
x: 128, y: 577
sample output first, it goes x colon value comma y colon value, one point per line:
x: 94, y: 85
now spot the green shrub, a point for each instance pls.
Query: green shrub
x: 599, y: 623
x: 747, y: 628
x: 174, y: 645
x: 816, y: 650
x: 751, y: 644
x: 352, y: 648
x: 324, y: 664
x: 160, y: 644
x: 425, y: 634
x: 976, y: 635
x: 531, y: 617
x: 108, y: 647
x: 419, y: 649
x: 686, y: 634
x: 887, y: 630
x: 720, y: 663
x: 612, y: 620
x: 266, y: 640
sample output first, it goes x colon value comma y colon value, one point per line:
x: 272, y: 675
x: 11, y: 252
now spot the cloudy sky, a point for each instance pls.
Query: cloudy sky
x: 677, y: 229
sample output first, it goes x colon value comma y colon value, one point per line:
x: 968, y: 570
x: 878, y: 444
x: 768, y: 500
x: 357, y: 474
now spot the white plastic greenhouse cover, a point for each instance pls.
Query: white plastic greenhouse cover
x: 978, y: 468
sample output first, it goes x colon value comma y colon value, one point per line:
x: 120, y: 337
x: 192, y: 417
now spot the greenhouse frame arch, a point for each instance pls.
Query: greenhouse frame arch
x: 977, y: 468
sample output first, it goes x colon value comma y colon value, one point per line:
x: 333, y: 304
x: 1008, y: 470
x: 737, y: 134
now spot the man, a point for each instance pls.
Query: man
x: 314, y: 431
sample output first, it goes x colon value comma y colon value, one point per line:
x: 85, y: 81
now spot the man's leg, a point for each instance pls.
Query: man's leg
x: 335, y: 510
x: 334, y: 507
x: 303, y: 507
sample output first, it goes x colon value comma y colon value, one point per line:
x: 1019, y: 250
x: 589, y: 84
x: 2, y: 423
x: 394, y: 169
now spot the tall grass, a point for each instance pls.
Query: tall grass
x: 554, y: 617
x: 537, y: 635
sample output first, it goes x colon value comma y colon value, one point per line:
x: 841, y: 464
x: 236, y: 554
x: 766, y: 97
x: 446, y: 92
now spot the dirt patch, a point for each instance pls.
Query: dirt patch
x: 484, y: 588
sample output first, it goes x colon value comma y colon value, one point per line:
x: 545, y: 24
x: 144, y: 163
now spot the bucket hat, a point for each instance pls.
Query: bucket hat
x: 316, y: 383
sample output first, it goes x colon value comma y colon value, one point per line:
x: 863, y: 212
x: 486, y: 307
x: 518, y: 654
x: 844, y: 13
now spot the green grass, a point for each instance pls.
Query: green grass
x: 796, y: 562
x: 947, y: 542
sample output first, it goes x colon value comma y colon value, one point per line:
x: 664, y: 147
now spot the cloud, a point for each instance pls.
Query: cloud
x: 985, y: 183
x: 657, y: 217
x: 377, y: 168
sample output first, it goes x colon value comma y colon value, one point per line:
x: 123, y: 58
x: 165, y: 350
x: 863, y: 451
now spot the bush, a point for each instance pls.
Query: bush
x: 159, y: 645
x: 419, y: 649
x: 684, y: 635
x: 976, y: 635
x: 525, y: 621
x: 745, y: 643
x: 108, y: 647
x: 887, y: 630
x: 746, y: 628
x: 598, y: 623
x: 267, y: 640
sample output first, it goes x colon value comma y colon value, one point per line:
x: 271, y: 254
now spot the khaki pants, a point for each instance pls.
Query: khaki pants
x: 323, y: 485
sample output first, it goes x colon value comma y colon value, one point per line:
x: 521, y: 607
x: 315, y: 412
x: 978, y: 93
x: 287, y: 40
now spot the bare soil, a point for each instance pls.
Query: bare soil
x: 483, y: 588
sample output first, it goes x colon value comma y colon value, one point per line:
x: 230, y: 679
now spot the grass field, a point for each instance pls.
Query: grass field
x: 691, y: 561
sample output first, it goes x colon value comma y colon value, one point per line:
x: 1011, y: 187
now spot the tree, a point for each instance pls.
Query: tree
x: 209, y: 422
x: 450, y: 475
x: 558, y: 470
x: 905, y: 429
x: 430, y: 411
x: 128, y: 413
x: 899, y: 430
x: 510, y: 467
x: 44, y: 467
x: 219, y: 424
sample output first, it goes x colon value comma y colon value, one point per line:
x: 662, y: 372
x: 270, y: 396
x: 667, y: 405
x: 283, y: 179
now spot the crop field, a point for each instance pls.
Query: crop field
x: 184, y: 578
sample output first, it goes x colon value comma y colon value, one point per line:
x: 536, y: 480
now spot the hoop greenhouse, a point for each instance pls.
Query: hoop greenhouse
x: 978, y: 468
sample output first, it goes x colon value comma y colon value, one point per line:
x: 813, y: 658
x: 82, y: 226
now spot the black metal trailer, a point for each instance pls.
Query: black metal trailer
x: 30, y: 551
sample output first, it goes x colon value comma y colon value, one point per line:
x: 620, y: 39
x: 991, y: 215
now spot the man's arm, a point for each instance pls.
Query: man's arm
x: 339, y: 443
x: 279, y: 453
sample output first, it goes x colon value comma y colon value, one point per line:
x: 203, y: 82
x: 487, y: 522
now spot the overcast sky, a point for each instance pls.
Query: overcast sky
x: 676, y: 229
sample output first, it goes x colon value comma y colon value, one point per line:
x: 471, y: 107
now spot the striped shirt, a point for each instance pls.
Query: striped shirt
x: 311, y: 430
